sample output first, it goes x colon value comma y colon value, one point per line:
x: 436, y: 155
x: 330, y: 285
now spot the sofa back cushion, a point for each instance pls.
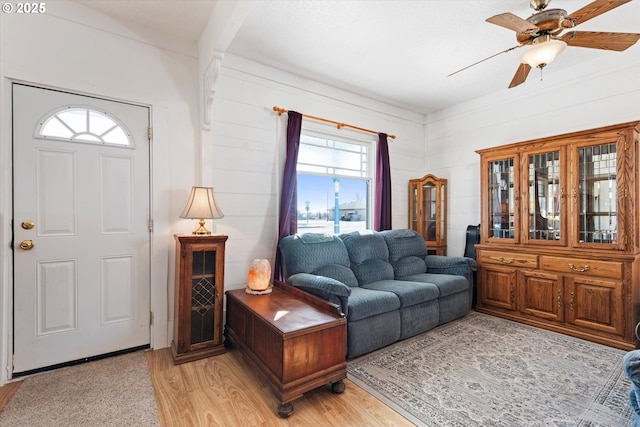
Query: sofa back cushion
x: 316, y: 253
x: 369, y: 256
x: 406, y: 251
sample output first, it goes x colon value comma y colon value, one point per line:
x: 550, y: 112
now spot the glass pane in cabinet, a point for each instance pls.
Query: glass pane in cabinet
x: 443, y: 203
x: 597, y: 194
x: 414, y: 207
x: 502, y: 199
x: 429, y: 200
x: 203, y: 296
x: 544, y: 196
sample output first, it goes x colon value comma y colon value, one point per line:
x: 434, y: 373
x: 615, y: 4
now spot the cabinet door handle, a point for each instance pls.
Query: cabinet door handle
x: 559, y: 299
x: 571, y: 302
x: 513, y: 293
x: 579, y: 269
x: 507, y: 261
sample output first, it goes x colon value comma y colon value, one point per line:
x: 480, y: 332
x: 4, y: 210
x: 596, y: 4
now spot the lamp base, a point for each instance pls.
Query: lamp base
x: 250, y: 291
x: 201, y: 231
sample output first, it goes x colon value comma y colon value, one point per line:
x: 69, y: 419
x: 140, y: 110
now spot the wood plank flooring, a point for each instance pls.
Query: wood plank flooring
x: 7, y: 391
x: 224, y: 391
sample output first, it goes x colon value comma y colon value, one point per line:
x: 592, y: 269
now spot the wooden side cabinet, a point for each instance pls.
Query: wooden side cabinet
x: 293, y: 339
x: 428, y: 211
x: 199, y: 289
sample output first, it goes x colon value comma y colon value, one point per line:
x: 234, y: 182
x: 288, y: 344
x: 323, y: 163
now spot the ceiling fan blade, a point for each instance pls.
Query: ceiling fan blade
x: 513, y: 22
x: 489, y: 57
x: 601, y: 40
x: 521, y: 75
x: 594, y: 9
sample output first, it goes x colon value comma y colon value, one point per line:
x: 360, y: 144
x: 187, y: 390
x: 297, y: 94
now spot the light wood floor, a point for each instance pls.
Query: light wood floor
x: 224, y: 391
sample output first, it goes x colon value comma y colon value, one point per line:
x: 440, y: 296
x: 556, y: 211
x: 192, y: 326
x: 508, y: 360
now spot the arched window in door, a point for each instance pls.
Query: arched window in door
x: 85, y: 125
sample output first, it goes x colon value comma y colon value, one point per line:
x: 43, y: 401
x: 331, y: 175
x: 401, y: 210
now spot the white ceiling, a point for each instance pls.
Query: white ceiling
x: 397, y: 51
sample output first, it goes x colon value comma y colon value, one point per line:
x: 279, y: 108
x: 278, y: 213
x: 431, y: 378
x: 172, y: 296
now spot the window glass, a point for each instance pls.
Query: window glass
x: 80, y: 124
x: 334, y: 184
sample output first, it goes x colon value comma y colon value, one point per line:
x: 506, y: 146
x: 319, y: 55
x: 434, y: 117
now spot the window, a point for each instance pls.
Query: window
x: 81, y: 124
x: 334, y: 184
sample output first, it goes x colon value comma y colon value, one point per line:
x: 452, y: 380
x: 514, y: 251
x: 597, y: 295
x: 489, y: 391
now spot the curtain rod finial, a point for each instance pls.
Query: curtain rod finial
x: 279, y: 110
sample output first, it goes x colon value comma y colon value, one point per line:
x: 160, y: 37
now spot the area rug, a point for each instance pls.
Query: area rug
x: 485, y: 371
x: 111, y: 392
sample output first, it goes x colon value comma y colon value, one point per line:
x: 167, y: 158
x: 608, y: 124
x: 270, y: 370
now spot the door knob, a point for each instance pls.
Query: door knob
x: 27, y: 224
x: 26, y: 245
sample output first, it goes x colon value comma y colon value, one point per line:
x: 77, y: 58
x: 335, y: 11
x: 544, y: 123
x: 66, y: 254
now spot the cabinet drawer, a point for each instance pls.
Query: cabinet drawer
x: 589, y: 267
x: 509, y: 258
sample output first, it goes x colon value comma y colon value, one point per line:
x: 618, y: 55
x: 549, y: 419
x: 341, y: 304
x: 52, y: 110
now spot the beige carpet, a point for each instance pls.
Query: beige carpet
x: 484, y: 371
x: 111, y: 392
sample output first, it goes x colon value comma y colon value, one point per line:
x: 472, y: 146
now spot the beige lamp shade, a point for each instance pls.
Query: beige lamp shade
x: 201, y: 205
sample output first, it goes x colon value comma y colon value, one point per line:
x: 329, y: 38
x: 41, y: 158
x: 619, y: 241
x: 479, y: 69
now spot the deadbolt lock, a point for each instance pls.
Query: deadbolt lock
x: 28, y: 225
x: 26, y: 245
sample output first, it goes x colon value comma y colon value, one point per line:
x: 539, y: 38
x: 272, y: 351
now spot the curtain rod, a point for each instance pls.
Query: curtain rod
x: 281, y: 111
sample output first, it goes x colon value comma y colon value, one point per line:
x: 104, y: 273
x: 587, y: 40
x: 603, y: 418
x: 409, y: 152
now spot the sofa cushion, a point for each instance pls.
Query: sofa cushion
x: 316, y: 253
x: 447, y: 284
x: 369, y: 256
x: 409, y: 292
x: 406, y: 251
x: 365, y: 303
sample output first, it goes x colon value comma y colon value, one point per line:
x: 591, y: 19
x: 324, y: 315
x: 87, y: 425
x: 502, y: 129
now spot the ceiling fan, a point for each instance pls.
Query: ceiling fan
x: 542, y: 33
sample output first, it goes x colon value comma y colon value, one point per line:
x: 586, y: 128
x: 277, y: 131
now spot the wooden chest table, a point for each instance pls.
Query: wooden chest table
x: 295, y: 340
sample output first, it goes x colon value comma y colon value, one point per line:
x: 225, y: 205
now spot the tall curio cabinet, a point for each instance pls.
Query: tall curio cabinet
x: 199, y: 289
x: 560, y: 239
x: 428, y: 211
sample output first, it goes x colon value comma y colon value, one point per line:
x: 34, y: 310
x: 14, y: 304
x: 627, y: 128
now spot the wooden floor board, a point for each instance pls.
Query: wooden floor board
x: 224, y: 391
x: 7, y: 391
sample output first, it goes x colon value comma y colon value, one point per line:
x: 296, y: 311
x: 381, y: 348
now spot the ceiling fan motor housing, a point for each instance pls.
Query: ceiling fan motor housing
x: 538, y: 4
x: 549, y: 22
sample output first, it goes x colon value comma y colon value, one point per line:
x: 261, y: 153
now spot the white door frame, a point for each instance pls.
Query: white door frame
x: 159, y: 239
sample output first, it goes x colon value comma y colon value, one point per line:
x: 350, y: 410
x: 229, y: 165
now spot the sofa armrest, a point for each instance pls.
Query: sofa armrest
x: 324, y: 287
x: 458, y: 266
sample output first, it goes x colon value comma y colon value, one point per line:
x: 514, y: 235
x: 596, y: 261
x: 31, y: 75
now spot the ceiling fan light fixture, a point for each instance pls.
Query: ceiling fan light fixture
x: 542, y: 52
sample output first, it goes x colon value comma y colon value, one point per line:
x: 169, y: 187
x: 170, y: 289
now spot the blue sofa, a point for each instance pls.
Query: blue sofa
x: 384, y: 282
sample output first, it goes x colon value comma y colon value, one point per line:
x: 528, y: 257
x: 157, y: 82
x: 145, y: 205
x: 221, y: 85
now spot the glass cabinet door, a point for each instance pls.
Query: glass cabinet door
x: 545, y: 197
x: 203, y: 296
x: 502, y: 199
x: 429, y: 199
x: 595, y: 195
x: 413, y: 205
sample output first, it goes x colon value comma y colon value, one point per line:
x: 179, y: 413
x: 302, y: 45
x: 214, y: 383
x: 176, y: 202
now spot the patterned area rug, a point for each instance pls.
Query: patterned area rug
x: 113, y: 392
x: 486, y: 371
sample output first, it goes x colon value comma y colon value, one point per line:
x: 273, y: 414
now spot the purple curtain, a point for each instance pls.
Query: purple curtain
x: 288, y: 213
x: 382, y: 212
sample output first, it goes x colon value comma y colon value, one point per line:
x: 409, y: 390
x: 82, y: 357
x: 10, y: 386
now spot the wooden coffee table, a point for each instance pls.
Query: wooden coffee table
x: 295, y: 340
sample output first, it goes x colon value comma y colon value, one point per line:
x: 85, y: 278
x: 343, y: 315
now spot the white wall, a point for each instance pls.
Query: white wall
x: 606, y: 92
x: 248, y: 141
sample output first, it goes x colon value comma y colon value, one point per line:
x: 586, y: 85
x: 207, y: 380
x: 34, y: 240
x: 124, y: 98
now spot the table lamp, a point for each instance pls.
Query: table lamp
x: 201, y: 205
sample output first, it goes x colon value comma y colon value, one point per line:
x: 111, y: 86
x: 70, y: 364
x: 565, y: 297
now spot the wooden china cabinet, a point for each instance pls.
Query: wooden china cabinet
x: 199, y: 289
x: 560, y: 241
x: 428, y: 211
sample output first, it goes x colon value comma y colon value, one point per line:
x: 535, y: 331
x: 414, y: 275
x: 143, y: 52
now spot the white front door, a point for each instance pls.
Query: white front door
x: 81, y: 200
